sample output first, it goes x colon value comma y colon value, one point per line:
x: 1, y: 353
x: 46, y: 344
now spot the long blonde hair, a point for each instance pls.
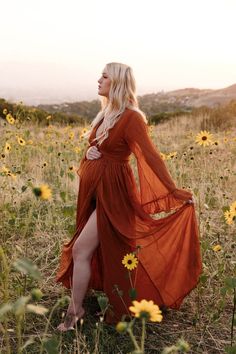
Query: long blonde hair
x: 122, y: 95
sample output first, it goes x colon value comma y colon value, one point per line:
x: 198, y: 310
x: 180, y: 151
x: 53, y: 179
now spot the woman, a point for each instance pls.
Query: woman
x: 114, y: 215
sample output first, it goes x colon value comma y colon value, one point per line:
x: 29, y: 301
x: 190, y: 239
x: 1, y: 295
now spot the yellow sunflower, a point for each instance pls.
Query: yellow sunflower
x: 43, y: 192
x: 171, y: 155
x: 4, y: 111
x: 71, y: 136
x: 77, y: 150
x: 217, y: 248
x: 5, y: 170
x: 10, y: 119
x: 147, y: 310
x: 204, y: 138
x: 229, y: 217
x: 130, y: 261
x: 21, y: 141
x: 7, y: 148
x: 84, y: 131
x: 163, y: 156
x: 232, y: 208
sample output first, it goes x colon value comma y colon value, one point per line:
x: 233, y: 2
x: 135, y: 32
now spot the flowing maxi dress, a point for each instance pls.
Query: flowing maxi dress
x: 168, y: 247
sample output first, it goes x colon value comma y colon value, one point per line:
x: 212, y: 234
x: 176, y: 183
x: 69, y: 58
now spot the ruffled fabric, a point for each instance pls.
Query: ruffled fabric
x: 167, y: 248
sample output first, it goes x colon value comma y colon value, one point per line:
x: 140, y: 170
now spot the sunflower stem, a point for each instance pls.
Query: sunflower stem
x: 132, y: 337
x: 143, y: 334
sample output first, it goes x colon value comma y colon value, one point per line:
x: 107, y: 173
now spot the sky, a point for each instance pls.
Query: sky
x: 55, y: 50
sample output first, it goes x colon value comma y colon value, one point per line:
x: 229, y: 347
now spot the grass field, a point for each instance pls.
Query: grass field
x: 33, y: 230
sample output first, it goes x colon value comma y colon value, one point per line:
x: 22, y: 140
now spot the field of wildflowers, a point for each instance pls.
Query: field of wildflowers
x: 39, y: 186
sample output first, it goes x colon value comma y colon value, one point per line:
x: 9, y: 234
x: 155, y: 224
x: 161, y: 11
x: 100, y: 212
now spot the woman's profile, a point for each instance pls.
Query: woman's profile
x: 114, y: 212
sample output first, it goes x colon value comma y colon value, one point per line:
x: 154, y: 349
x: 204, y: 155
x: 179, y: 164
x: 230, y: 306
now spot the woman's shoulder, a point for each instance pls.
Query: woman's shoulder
x: 133, y: 116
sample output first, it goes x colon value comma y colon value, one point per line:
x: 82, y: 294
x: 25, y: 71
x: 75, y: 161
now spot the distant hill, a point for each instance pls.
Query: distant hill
x: 172, y: 101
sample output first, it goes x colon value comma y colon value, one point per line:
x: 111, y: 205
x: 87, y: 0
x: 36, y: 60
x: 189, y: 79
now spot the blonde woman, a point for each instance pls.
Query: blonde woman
x: 114, y: 214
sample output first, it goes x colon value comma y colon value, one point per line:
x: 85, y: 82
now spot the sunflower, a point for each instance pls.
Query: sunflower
x: 171, y: 155
x: 7, y: 148
x: 10, y: 174
x: 163, y: 156
x: 147, y: 310
x: 21, y: 141
x: 43, y: 192
x: 232, y: 208
x: 71, y: 168
x: 77, y: 149
x: 84, y: 131
x: 71, y: 136
x: 204, y: 138
x: 4, y: 111
x: 5, y: 170
x: 217, y: 248
x: 229, y: 217
x: 130, y: 261
x: 10, y: 119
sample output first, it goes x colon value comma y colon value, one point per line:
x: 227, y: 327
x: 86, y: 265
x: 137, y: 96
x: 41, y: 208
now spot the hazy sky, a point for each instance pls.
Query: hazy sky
x: 56, y: 49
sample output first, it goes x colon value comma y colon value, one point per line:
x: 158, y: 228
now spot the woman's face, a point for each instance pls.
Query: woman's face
x: 104, y: 84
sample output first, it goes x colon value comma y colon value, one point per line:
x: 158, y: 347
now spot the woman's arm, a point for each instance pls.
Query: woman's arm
x: 137, y: 137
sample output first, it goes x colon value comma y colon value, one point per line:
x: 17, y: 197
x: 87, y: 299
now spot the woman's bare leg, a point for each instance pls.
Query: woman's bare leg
x: 82, y: 251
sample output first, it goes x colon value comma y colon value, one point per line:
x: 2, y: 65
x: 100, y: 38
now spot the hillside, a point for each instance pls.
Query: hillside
x: 183, y: 99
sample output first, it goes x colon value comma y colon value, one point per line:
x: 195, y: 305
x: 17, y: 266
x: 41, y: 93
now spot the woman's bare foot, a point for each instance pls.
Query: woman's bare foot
x: 70, y: 320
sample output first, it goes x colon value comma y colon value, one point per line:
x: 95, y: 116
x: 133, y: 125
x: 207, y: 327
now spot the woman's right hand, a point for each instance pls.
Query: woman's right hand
x: 93, y: 153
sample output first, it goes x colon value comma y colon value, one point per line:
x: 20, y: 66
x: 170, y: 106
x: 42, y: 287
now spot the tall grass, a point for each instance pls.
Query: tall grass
x: 35, y: 230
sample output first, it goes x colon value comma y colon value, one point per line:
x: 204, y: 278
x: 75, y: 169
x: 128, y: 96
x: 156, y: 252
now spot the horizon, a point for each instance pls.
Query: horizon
x: 60, y: 100
x: 55, y: 51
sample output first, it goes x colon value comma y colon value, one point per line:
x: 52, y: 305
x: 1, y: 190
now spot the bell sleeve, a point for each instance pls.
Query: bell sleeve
x: 158, y: 191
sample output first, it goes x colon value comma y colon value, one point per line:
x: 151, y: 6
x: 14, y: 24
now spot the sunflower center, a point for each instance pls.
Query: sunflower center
x: 145, y: 314
x: 130, y: 261
x: 204, y: 138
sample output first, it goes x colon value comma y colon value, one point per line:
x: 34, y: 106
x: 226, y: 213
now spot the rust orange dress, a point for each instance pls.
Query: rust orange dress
x: 168, y: 247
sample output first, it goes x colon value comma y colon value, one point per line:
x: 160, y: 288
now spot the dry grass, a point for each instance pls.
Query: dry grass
x: 37, y: 229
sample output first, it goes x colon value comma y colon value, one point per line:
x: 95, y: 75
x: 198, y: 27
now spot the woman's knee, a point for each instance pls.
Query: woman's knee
x: 79, y: 253
x: 87, y: 242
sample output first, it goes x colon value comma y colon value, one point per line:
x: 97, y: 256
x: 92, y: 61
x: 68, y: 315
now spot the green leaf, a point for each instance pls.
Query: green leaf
x: 103, y: 302
x: 230, y: 350
x: 68, y: 210
x: 230, y: 283
x: 27, y: 134
x: 51, y: 345
x: 133, y: 293
x: 63, y: 196
x: 50, y: 149
x: 203, y: 278
x: 71, y: 176
x: 4, y: 309
x: 25, y: 266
